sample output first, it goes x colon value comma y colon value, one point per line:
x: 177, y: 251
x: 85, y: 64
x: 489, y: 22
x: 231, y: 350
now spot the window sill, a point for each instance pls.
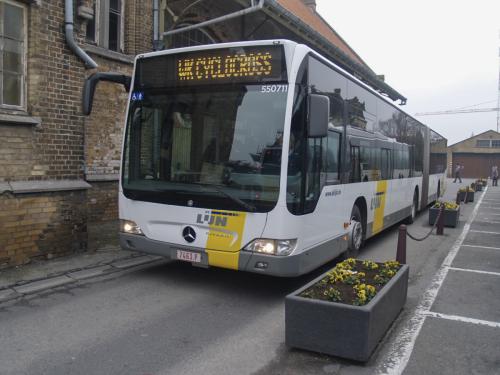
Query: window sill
x: 102, y: 177
x: 20, y: 120
x: 26, y: 187
x: 108, y: 54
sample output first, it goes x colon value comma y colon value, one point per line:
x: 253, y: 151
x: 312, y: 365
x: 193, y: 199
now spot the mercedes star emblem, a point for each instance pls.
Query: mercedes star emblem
x: 189, y: 234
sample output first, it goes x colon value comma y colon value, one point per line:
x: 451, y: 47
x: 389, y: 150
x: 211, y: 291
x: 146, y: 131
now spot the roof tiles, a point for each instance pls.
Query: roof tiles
x: 314, y: 20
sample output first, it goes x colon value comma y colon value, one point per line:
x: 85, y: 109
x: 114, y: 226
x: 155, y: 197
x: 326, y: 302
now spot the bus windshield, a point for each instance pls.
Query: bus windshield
x: 216, y: 146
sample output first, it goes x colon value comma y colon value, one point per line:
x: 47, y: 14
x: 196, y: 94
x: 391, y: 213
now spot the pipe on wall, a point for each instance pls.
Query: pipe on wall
x: 156, y: 24
x: 70, y: 38
x: 251, y: 9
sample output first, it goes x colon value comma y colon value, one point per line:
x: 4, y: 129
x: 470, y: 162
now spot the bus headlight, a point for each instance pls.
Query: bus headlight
x: 272, y: 247
x: 130, y: 227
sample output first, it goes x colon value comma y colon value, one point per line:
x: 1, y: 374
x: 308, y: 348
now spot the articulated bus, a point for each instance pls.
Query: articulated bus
x: 264, y: 156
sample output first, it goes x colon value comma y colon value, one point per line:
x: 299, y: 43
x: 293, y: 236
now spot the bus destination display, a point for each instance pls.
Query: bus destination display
x: 214, y: 68
x: 254, y: 64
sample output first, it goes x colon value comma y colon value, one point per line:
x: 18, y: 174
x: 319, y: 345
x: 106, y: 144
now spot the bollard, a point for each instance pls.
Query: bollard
x: 440, y: 223
x: 401, y: 251
x: 457, y: 201
x: 465, y: 199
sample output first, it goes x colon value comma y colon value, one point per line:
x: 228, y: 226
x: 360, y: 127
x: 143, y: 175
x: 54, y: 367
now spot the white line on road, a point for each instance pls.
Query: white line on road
x: 400, y: 351
x: 489, y: 221
x: 482, y: 247
x: 475, y: 271
x: 463, y: 319
x: 484, y: 231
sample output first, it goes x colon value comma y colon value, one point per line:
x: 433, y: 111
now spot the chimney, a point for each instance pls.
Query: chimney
x: 311, y: 4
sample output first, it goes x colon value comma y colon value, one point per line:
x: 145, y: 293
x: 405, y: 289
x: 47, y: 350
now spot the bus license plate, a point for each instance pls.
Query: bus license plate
x: 188, y: 256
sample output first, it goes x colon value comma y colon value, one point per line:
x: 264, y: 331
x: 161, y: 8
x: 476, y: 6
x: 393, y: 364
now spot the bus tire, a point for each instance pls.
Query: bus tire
x: 410, y: 219
x: 356, y: 237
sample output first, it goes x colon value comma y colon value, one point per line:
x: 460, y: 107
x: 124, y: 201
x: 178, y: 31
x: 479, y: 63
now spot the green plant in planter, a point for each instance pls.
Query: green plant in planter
x: 447, y: 205
x: 333, y: 294
x: 364, y: 293
x: 353, y: 281
x: 369, y: 265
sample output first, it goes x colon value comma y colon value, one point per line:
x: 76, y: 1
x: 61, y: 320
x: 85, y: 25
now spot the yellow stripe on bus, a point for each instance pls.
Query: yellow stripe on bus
x: 224, y: 238
x: 378, y: 217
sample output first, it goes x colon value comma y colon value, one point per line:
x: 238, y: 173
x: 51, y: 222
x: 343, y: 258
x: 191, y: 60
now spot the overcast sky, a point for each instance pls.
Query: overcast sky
x: 440, y: 54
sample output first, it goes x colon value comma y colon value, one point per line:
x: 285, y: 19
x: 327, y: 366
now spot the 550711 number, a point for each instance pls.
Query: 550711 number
x: 274, y: 88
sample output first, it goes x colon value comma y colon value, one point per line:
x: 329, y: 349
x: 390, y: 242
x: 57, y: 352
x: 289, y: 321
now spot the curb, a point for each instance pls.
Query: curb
x: 24, y: 288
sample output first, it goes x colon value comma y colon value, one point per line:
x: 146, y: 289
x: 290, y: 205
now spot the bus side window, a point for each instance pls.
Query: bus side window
x: 355, y: 174
x: 332, y: 158
x: 385, y: 163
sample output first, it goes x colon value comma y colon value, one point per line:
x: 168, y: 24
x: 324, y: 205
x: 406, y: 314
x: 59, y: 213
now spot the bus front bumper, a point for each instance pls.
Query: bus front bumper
x: 284, y: 266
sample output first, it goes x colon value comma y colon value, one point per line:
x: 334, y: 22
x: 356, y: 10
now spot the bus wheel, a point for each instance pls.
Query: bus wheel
x: 410, y: 219
x: 356, y: 235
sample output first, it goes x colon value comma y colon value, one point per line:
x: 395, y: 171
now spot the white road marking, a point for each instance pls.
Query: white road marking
x: 490, y: 221
x: 484, y: 231
x: 482, y: 247
x: 401, y: 349
x: 475, y: 271
x: 463, y: 319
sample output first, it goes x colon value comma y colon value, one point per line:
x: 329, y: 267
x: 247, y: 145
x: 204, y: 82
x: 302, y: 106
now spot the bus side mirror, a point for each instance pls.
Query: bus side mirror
x: 91, y: 83
x: 319, y: 112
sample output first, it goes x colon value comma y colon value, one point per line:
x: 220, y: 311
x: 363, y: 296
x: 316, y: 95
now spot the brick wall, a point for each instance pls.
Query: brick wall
x: 41, y: 225
x: 66, y: 146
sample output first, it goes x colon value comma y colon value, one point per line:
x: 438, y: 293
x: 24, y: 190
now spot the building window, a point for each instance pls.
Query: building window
x: 90, y: 32
x: 483, y: 143
x: 12, y: 48
x: 495, y: 143
x: 190, y: 38
x: 106, y: 29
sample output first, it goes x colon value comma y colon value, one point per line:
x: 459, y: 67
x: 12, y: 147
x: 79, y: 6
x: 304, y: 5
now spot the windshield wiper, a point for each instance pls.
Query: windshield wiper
x: 209, y: 188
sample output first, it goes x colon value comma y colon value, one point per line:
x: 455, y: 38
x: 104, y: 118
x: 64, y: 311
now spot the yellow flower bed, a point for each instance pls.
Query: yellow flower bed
x: 353, y: 281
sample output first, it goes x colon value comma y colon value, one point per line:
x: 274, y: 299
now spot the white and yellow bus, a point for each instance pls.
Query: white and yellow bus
x: 264, y: 157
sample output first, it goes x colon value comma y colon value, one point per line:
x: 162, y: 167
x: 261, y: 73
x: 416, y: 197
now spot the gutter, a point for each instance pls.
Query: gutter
x: 70, y: 39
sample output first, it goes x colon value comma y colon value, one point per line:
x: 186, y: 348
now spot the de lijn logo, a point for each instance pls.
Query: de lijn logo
x: 217, y: 220
x: 189, y: 234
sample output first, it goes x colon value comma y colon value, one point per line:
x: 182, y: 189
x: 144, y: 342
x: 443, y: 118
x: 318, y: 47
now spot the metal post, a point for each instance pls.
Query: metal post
x: 401, y: 251
x: 465, y: 199
x: 440, y: 223
x: 457, y: 201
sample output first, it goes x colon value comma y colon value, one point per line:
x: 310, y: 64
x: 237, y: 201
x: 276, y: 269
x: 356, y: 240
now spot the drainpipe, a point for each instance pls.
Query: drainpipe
x: 156, y: 25
x: 70, y: 39
x: 253, y: 8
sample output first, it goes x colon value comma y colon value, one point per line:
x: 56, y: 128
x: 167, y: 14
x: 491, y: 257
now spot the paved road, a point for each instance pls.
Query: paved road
x: 172, y: 318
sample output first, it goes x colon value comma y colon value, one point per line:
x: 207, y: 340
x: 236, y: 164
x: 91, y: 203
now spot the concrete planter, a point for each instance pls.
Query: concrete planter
x: 451, y: 217
x: 469, y: 196
x: 461, y: 196
x: 340, y: 329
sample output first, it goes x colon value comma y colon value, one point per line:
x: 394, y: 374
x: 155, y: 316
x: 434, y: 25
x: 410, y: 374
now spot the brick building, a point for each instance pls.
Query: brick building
x: 477, y: 154
x: 59, y: 169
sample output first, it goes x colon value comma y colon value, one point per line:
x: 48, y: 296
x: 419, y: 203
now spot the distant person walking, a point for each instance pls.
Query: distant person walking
x: 458, y: 170
x: 494, y: 175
